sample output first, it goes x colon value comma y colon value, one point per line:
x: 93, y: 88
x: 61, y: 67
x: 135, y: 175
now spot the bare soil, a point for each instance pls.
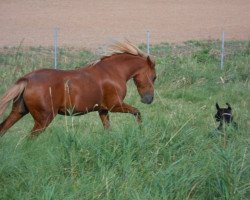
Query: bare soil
x: 90, y: 24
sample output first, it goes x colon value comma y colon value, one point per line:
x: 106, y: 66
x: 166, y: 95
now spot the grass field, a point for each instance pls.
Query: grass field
x: 175, y: 154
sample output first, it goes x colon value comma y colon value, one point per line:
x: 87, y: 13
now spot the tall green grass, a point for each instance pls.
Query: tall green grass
x: 175, y: 154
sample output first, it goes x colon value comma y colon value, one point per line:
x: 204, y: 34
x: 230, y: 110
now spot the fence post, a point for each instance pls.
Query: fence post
x: 55, y: 46
x: 148, y: 42
x: 222, y: 50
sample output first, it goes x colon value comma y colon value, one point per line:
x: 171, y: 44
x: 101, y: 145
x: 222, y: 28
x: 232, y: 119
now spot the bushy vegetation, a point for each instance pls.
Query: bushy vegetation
x: 175, y: 154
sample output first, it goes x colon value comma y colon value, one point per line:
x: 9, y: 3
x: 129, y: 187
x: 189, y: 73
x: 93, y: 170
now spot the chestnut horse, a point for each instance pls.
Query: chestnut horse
x: 100, y: 86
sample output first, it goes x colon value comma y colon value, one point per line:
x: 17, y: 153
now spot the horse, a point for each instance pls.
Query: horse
x: 99, y: 86
x: 224, y: 116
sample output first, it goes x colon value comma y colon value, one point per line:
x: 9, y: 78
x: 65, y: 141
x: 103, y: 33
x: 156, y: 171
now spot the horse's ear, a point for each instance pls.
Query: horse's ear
x: 217, y: 106
x: 229, y: 107
x: 150, y: 61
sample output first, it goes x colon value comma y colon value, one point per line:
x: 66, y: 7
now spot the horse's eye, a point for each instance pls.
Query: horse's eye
x: 154, y: 79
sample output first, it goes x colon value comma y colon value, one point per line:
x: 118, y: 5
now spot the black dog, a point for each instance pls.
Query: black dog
x: 224, y: 115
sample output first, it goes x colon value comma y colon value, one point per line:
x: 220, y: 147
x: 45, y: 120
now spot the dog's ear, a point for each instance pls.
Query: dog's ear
x: 228, y: 106
x: 217, y: 106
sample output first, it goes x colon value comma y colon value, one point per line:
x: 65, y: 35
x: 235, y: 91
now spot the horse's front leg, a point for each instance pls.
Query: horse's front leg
x: 105, y: 118
x: 125, y: 108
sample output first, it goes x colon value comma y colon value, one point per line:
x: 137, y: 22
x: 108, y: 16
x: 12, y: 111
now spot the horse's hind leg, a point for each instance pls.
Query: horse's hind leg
x: 18, y: 111
x: 42, y: 121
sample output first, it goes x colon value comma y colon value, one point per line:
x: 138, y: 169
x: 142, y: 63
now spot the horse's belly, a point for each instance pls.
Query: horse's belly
x: 81, y: 104
x: 79, y: 109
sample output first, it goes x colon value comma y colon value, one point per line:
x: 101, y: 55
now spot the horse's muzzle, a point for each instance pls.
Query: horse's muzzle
x: 147, y: 98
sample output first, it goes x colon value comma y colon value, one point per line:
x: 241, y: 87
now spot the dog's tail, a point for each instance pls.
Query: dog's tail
x: 13, y: 92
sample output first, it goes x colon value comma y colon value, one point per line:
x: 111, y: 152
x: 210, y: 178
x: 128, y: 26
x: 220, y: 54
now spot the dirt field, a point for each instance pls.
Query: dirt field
x: 86, y: 23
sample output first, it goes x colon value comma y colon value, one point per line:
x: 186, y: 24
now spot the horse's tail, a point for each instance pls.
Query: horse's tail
x: 13, y: 92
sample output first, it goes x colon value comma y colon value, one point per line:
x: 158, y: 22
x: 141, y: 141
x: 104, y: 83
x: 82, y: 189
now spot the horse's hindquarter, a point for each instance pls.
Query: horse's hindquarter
x: 71, y: 92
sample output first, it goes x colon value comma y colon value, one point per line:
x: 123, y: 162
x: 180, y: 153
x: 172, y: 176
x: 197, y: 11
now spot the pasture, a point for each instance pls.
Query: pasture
x: 175, y: 154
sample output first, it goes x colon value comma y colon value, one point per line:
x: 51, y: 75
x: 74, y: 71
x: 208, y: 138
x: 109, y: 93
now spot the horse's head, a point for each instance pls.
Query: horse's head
x: 224, y: 114
x: 144, y: 81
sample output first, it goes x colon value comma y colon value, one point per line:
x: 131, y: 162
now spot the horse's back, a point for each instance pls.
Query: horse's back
x: 51, y: 75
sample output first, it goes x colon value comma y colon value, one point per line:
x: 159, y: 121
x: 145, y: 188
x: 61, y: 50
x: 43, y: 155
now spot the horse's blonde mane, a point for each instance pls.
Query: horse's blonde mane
x: 123, y: 47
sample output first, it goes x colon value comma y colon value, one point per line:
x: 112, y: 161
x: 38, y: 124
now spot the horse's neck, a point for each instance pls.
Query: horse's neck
x: 126, y: 65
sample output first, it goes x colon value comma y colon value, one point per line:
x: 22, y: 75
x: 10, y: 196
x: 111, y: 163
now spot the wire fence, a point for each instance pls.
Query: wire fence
x: 216, y: 51
x: 55, y: 57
